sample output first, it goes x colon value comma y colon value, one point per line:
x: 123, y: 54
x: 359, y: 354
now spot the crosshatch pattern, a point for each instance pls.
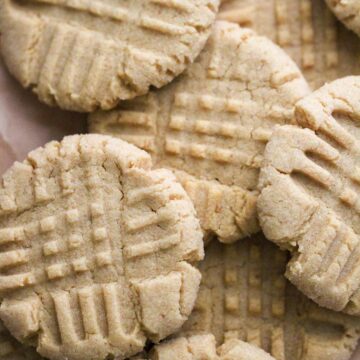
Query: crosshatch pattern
x: 322, y: 47
x: 211, y: 124
x: 87, y: 54
x: 320, y: 175
x: 244, y: 295
x: 88, y: 236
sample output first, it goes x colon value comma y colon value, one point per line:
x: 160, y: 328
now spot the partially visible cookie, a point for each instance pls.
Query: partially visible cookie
x: 10, y: 349
x: 306, y: 29
x: 186, y: 348
x: 88, y: 54
x: 95, y: 250
x: 309, y: 201
x: 240, y: 350
x: 203, y: 347
x: 347, y: 11
x: 212, y: 123
x: 245, y: 295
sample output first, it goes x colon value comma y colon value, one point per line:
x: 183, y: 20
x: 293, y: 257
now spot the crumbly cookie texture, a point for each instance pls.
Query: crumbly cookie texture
x: 244, y: 295
x: 84, y: 54
x: 240, y: 350
x: 95, y: 250
x: 186, y: 348
x: 347, y: 11
x: 306, y: 29
x: 203, y: 347
x: 212, y: 123
x: 309, y: 199
x: 10, y: 349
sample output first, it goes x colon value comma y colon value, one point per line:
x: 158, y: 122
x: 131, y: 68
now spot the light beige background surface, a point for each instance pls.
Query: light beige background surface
x: 26, y: 124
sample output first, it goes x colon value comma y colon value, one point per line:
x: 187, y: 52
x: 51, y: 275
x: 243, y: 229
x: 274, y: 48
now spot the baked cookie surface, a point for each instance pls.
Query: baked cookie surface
x: 245, y: 295
x: 310, y: 191
x: 84, y: 54
x: 95, y: 249
x: 204, y: 347
x: 347, y: 11
x: 240, y: 350
x: 212, y: 123
x: 307, y: 30
x: 186, y: 348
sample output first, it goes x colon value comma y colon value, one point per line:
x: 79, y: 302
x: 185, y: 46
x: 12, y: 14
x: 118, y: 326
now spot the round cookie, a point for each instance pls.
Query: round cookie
x: 309, y: 199
x: 245, y: 295
x: 347, y: 11
x: 212, y: 123
x: 95, y: 250
x: 10, y: 349
x: 306, y: 29
x: 84, y: 54
x: 204, y: 347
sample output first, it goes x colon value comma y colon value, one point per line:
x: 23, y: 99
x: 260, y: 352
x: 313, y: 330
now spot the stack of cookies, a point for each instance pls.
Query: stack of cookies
x: 213, y: 210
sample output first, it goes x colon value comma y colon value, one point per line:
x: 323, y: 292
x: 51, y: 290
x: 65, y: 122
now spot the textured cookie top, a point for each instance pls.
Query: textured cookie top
x: 93, y: 250
x: 212, y: 123
x: 245, y: 295
x: 310, y: 195
x: 308, y: 31
x: 347, y: 11
x: 203, y: 347
x: 85, y: 54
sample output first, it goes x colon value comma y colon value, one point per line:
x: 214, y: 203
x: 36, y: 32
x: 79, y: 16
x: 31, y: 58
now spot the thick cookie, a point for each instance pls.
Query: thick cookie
x: 94, y: 250
x: 309, y: 199
x: 244, y: 295
x: 87, y: 54
x: 212, y: 123
x: 203, y: 347
x: 308, y: 31
x: 347, y: 11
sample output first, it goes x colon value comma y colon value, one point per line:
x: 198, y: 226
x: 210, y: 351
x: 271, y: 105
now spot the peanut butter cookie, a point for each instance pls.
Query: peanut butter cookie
x: 95, y: 249
x: 87, y: 54
x: 211, y: 124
